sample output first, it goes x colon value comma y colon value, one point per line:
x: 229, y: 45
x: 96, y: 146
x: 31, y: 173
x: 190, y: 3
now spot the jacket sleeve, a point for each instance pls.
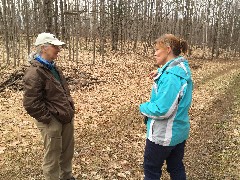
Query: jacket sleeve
x: 166, y: 101
x: 33, y: 100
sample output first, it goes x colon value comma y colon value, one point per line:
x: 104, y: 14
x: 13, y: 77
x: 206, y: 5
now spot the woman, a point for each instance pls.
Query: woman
x: 166, y: 114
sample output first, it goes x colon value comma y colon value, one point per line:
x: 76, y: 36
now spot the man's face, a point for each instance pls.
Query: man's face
x: 50, y: 52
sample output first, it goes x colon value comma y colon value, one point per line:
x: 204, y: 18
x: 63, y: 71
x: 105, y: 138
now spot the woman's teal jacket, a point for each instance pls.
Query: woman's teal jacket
x: 167, y: 112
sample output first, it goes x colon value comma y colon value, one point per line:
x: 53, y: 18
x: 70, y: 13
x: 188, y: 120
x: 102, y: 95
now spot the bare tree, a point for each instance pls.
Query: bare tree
x: 101, y: 28
x: 48, y: 14
x: 5, y: 25
x: 94, y: 29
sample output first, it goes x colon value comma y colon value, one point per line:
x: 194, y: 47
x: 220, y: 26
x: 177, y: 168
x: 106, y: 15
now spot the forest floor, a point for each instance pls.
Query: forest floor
x: 109, y: 131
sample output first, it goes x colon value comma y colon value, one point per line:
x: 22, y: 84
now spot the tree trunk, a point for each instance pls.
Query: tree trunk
x: 47, y: 11
x: 5, y: 21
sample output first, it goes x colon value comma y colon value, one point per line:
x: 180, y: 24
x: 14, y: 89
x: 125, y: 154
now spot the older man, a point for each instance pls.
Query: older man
x: 47, y: 99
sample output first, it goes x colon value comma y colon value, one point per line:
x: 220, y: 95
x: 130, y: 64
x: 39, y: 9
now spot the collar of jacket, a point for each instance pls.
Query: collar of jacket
x: 49, y: 65
x: 169, y: 64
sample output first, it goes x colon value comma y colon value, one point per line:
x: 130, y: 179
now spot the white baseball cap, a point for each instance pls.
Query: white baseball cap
x: 47, y: 38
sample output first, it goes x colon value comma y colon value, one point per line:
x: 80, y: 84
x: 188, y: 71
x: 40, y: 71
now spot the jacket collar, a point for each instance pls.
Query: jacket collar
x: 49, y: 65
x: 168, y: 65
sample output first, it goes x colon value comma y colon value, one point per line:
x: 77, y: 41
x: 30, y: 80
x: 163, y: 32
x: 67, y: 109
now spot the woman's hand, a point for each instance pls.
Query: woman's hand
x: 153, y: 74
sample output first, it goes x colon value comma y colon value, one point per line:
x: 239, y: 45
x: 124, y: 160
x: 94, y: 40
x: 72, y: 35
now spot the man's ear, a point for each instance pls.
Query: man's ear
x: 43, y: 48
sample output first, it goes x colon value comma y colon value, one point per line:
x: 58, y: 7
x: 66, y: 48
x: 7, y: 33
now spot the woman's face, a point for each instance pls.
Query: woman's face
x: 161, y: 54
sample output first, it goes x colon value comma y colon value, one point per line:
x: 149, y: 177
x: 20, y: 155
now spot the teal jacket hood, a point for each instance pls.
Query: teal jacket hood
x: 179, y: 67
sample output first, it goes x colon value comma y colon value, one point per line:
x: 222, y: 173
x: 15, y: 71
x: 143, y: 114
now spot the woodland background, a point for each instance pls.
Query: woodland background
x: 107, y: 59
x: 119, y: 25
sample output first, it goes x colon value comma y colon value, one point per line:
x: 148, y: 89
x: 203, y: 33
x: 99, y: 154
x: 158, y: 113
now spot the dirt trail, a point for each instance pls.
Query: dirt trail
x: 110, y: 135
x: 213, y: 148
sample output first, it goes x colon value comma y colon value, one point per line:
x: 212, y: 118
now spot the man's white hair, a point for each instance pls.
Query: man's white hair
x: 38, y: 50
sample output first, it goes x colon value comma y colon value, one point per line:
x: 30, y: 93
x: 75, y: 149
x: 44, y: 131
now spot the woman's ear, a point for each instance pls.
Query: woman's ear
x: 169, y: 49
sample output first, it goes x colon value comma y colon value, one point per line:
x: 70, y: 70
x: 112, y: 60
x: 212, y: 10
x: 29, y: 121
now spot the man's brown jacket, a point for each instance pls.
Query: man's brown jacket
x: 44, y: 96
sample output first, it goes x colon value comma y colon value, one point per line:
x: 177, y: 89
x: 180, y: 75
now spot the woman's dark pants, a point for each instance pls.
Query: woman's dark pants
x: 154, y: 157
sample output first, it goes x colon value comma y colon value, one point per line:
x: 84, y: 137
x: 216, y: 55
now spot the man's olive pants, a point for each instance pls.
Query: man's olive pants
x: 59, y: 148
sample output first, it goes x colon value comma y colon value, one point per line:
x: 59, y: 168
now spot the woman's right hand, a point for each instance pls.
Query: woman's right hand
x: 153, y: 74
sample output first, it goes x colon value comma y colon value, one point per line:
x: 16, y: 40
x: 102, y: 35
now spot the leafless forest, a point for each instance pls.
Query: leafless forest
x: 118, y: 25
x: 106, y: 62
